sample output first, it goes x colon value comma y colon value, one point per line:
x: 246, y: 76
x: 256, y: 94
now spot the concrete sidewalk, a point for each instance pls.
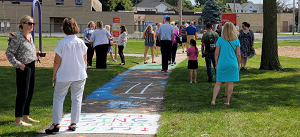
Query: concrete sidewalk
x: 128, y: 105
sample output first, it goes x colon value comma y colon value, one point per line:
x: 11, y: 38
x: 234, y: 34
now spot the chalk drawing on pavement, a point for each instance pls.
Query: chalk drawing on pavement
x: 113, y: 123
x: 121, y: 104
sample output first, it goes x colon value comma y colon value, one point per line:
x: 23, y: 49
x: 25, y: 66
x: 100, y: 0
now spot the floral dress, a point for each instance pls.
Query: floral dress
x: 246, y: 44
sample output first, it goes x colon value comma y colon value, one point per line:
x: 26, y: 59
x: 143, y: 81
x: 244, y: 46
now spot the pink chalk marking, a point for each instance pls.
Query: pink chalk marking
x: 119, y: 120
x: 145, y: 129
x: 135, y: 115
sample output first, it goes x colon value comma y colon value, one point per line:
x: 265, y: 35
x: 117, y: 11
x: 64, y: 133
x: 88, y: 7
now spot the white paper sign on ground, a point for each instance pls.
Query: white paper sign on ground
x: 113, y: 123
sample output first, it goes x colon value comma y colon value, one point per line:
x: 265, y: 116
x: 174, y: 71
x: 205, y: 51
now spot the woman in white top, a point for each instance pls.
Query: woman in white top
x: 87, y: 35
x: 69, y: 70
x: 100, y: 42
x: 122, y: 42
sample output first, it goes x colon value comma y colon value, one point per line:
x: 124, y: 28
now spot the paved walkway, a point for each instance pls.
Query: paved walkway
x: 128, y: 105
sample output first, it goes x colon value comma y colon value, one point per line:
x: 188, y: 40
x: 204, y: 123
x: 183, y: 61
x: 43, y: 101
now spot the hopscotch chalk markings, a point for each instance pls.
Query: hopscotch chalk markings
x: 113, y: 123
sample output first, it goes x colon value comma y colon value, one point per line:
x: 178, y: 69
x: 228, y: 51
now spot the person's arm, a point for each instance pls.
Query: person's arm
x: 12, y: 50
x: 238, y: 55
x: 217, y: 53
x: 172, y: 38
x: 143, y: 35
x: 252, y: 40
x: 85, y: 60
x: 202, y: 50
x: 56, y: 64
x: 92, y: 39
x: 196, y: 35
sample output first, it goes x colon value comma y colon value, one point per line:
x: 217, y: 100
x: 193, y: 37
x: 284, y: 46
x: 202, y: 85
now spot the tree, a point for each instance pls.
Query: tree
x: 211, y: 11
x: 269, y: 57
x: 134, y: 2
x: 110, y: 5
x: 172, y: 2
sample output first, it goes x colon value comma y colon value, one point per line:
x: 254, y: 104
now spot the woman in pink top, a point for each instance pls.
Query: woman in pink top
x: 193, y: 53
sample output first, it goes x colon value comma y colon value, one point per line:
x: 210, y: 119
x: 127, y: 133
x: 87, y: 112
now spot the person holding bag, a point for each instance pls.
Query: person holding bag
x: 228, y: 58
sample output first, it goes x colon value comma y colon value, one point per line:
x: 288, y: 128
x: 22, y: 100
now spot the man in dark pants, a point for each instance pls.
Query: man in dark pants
x: 166, y: 36
x: 209, y: 40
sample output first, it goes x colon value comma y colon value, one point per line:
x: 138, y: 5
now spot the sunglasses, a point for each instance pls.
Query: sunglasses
x: 30, y: 23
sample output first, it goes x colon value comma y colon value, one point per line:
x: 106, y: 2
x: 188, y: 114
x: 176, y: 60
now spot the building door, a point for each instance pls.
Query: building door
x: 58, y: 24
x: 285, y: 27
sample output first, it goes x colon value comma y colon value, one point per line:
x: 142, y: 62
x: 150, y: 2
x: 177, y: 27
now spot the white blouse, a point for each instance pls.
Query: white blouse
x: 71, y: 49
x: 100, y: 37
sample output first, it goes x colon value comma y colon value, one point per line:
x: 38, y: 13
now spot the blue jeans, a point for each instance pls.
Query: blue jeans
x: 208, y: 60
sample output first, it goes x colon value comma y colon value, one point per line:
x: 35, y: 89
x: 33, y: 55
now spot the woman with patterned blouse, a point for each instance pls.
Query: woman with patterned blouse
x: 21, y: 54
x: 246, y: 38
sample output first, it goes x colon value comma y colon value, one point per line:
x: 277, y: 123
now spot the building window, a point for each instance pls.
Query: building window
x: 78, y: 2
x: 15, y: 3
x: 59, y: 2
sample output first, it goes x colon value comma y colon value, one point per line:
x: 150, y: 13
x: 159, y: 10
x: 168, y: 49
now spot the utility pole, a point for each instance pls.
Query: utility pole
x: 293, y: 17
x: 234, y: 6
x: 299, y: 16
x: 180, y: 12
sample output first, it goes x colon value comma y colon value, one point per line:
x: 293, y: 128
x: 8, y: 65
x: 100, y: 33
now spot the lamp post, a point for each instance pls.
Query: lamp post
x: 294, y: 17
x: 180, y: 12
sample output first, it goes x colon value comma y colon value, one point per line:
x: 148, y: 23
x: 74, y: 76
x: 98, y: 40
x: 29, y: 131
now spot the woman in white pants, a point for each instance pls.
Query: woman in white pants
x: 69, y: 71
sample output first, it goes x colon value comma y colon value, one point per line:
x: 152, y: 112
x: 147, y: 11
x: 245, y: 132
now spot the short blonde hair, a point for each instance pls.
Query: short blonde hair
x: 158, y: 25
x: 23, y: 20
x: 107, y: 27
x: 89, y: 24
x: 229, y: 32
x: 186, y: 25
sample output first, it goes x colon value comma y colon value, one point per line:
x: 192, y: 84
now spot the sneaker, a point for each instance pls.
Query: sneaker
x: 169, y: 62
x: 191, y: 81
x: 195, y: 81
x: 173, y: 64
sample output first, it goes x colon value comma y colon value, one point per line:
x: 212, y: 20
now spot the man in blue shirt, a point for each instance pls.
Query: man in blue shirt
x: 191, y: 32
x: 165, y: 34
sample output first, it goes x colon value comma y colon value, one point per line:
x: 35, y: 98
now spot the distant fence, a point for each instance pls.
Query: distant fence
x: 54, y: 29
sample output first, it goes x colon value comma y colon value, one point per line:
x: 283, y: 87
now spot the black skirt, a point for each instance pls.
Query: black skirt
x: 184, y: 39
x: 193, y: 64
x: 157, y: 43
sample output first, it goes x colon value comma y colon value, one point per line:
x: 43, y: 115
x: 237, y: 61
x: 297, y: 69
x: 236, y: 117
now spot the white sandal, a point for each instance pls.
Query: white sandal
x: 226, y: 104
x: 213, y: 103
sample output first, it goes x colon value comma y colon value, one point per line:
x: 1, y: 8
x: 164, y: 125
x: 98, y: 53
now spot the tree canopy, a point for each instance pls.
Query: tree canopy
x: 115, y: 5
x: 211, y: 12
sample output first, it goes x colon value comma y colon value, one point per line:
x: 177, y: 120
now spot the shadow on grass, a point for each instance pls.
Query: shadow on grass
x: 18, y: 134
x: 257, y: 90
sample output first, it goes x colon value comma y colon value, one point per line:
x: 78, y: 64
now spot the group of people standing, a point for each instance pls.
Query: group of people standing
x: 101, y: 40
x: 227, y: 50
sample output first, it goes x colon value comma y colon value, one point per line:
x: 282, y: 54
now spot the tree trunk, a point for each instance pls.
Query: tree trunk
x: 269, y: 57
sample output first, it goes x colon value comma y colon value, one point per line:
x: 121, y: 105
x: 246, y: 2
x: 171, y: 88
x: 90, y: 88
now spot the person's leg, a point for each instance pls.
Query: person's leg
x: 229, y: 91
x: 89, y: 54
x: 163, y: 55
x: 121, y: 55
x: 245, y: 62
x: 112, y: 56
x: 174, y: 50
x: 195, y: 75
x: 186, y: 47
x: 152, y: 54
x: 191, y: 75
x: 168, y: 52
x: 23, y: 81
x: 30, y: 92
x: 97, y: 49
x: 182, y: 46
x: 157, y: 51
x: 104, y: 49
x: 60, y: 92
x: 77, y: 88
x: 216, y: 90
x: 145, y: 53
x: 214, y: 63
x: 208, y: 68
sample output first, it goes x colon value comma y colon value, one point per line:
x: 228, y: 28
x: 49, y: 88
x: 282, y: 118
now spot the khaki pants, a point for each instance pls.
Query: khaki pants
x: 189, y: 37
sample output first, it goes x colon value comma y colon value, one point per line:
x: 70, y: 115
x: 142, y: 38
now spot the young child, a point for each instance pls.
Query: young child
x: 110, y: 50
x: 193, y: 53
x: 10, y: 36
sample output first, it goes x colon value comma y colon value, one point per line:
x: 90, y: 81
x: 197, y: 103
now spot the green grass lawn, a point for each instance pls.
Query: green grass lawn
x: 266, y: 103
x: 258, y: 43
x: 134, y: 46
x: 41, y: 105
